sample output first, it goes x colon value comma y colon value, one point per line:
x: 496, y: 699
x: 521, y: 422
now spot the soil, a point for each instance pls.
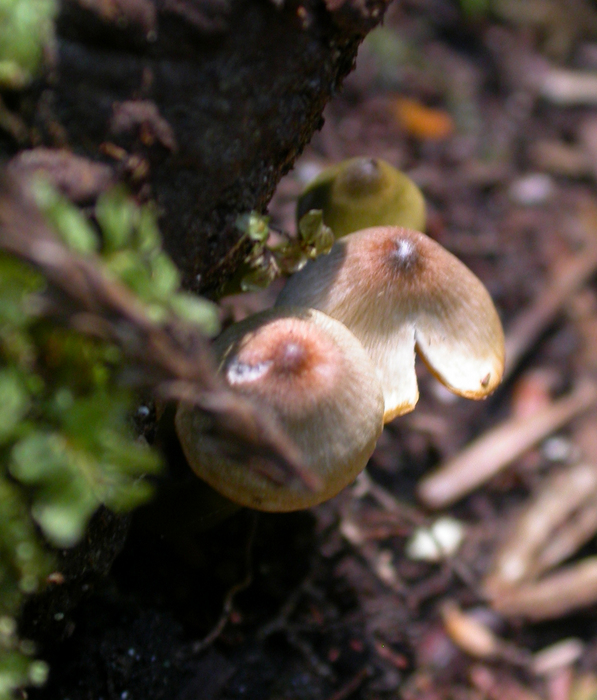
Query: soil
x: 292, y: 606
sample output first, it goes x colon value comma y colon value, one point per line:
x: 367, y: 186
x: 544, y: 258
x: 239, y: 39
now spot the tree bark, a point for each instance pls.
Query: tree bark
x: 201, y: 105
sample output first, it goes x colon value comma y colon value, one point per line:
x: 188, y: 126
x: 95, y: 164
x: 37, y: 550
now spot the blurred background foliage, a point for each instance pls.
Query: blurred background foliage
x: 26, y: 33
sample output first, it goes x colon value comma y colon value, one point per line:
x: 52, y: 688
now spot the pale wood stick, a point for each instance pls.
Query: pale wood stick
x: 500, y: 446
x: 532, y: 322
x: 469, y: 634
x: 570, y: 539
x: 554, y: 596
x: 558, y: 497
x: 567, y: 87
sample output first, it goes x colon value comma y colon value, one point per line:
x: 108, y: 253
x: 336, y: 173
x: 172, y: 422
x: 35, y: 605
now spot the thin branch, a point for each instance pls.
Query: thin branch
x: 533, y: 321
x: 241, y: 585
x: 554, y: 596
x: 498, y: 447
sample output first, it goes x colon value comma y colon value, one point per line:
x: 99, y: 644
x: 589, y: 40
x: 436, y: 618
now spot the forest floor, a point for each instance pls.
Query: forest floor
x: 495, y: 119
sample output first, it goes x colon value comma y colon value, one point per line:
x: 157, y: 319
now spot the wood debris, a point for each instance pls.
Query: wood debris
x: 499, y: 447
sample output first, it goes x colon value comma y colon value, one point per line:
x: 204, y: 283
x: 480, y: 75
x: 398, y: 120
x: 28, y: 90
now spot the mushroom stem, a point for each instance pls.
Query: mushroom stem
x: 500, y: 446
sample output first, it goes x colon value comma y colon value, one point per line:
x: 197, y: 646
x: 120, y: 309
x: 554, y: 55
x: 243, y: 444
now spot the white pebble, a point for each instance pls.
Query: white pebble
x: 557, y: 449
x: 438, y: 542
x: 532, y: 189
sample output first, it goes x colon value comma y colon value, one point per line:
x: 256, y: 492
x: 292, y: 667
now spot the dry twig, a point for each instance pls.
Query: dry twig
x: 569, y: 589
x: 522, y: 556
x: 567, y: 87
x: 532, y: 322
x: 353, y: 684
x: 498, y: 447
x: 578, y: 531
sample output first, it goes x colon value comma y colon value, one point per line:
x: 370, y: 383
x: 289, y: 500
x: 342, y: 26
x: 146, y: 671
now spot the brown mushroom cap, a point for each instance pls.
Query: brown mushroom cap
x: 395, y: 288
x: 321, y: 386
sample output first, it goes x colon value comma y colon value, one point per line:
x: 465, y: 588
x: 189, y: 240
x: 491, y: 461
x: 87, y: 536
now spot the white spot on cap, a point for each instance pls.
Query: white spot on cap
x: 242, y: 373
x: 405, y: 254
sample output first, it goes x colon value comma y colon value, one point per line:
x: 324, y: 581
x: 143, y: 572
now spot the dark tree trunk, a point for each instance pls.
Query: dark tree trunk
x: 201, y: 105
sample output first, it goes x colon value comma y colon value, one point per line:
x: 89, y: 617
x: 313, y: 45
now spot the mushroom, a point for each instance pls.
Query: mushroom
x: 362, y: 192
x: 322, y: 388
x: 394, y: 289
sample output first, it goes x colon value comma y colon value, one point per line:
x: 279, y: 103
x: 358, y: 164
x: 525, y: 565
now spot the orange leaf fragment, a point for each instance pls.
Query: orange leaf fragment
x: 420, y: 121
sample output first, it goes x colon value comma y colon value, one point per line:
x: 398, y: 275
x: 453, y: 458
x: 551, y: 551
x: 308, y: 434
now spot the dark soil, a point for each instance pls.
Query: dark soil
x: 311, y: 615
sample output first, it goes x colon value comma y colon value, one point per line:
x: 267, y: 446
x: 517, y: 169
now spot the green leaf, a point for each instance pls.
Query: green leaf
x: 63, y: 514
x: 13, y: 76
x: 14, y: 668
x: 132, y: 271
x: 198, y: 311
x: 37, y: 673
x: 70, y: 224
x: 40, y: 457
x: 314, y: 232
x: 117, y: 214
x: 66, y: 446
x: 264, y: 272
x: 17, y: 283
x: 129, y: 457
x: 133, y: 495
x: 14, y: 403
x: 148, y: 233
x: 254, y: 225
x: 26, y: 27
x: 165, y: 276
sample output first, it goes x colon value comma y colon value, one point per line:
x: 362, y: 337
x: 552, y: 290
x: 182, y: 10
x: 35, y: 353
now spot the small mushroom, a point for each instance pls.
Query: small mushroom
x: 362, y: 192
x: 322, y: 388
x: 394, y: 289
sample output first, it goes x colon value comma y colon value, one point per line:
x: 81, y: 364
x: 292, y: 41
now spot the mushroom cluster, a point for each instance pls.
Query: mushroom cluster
x: 396, y: 289
x: 335, y: 358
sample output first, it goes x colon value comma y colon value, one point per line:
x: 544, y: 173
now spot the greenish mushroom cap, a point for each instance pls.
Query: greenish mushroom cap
x: 363, y: 192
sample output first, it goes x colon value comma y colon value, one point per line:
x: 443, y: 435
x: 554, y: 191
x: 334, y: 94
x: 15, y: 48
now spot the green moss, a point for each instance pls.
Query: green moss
x: 273, y: 256
x: 66, y: 443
